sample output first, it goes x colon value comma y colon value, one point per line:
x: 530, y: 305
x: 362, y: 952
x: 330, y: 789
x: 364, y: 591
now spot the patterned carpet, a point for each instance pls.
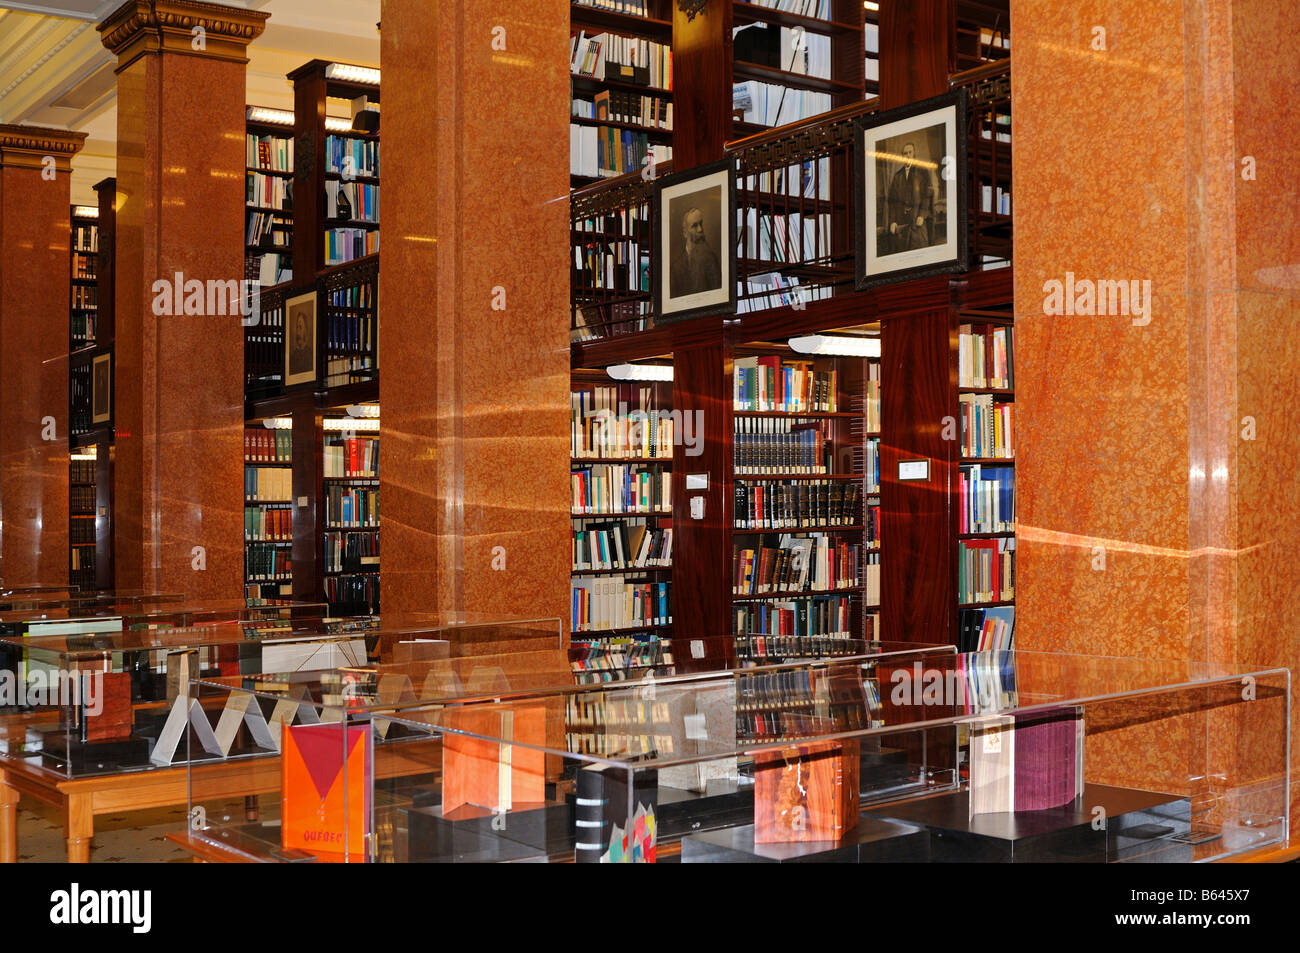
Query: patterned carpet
x: 137, y: 837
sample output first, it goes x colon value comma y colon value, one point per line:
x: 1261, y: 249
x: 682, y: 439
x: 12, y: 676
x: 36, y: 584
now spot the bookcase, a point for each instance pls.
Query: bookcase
x: 350, y: 492
x: 81, y: 519
x: 622, y: 435
x: 268, y: 221
x: 806, y: 545
x: 986, y: 518
x: 84, y: 292
x: 268, y: 510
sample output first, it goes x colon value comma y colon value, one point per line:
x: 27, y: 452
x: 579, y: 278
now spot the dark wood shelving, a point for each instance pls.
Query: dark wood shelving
x: 744, y: 13
x: 594, y: 20
x: 620, y: 572
x: 631, y: 126
x: 768, y: 74
x: 836, y: 528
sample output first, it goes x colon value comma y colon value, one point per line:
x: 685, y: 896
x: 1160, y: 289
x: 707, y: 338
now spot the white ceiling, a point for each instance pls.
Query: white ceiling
x: 55, y: 72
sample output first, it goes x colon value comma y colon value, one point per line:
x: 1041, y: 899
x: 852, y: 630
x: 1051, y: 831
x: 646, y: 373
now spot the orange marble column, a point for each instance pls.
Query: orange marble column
x: 35, y: 198
x: 1156, y: 465
x: 474, y: 321
x: 178, y: 472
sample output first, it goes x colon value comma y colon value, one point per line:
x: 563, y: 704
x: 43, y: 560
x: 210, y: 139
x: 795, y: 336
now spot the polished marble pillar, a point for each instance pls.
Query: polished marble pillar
x: 180, y: 390
x: 35, y: 274
x: 474, y: 285
x: 1156, y: 457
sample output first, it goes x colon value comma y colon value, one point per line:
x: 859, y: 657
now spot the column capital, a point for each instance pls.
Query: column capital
x: 26, y: 147
x: 189, y: 27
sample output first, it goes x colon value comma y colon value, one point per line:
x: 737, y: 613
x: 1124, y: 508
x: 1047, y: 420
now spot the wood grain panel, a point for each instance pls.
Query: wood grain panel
x: 918, y: 391
x: 916, y: 51
x: 701, y: 85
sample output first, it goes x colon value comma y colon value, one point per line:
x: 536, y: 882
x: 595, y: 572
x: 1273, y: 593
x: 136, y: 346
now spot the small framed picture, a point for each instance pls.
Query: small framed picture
x: 300, y: 339
x: 695, y: 241
x: 911, y: 188
x: 101, y: 389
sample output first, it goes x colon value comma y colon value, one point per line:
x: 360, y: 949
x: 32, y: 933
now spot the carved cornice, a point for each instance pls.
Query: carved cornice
x: 27, y: 147
x: 143, y: 27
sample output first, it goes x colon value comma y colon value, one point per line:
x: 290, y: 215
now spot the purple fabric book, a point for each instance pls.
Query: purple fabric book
x: 1046, y: 758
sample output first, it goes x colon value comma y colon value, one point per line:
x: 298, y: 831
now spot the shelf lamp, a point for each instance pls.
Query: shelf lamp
x: 339, y: 424
x: 347, y: 73
x: 363, y: 410
x: 278, y: 423
x: 640, y: 372
x: 831, y: 346
x: 282, y: 117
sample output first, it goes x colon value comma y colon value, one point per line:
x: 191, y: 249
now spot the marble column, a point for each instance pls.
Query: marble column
x: 474, y: 320
x: 178, y: 472
x: 1157, y: 143
x: 35, y: 273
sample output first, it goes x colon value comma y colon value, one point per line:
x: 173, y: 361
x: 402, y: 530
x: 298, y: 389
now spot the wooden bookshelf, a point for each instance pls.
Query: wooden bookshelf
x: 268, y: 518
x: 268, y: 219
x: 84, y: 269
x: 350, y: 529
x: 620, y: 428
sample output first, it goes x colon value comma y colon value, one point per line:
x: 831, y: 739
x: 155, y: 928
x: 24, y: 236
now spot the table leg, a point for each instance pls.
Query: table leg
x: 80, y: 828
x: 8, y: 821
x: 250, y: 807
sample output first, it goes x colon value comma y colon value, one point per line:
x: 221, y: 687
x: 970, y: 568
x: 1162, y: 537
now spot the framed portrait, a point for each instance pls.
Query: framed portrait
x: 695, y: 243
x: 300, y: 339
x: 911, y: 187
x: 101, y: 389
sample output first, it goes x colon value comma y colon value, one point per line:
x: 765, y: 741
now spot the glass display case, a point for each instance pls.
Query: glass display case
x: 923, y: 755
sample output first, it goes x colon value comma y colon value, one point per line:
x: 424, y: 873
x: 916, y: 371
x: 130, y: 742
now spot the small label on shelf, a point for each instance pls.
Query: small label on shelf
x: 913, y: 469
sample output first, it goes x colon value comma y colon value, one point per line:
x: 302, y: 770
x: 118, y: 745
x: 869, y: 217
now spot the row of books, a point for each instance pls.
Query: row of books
x: 605, y: 710
x: 350, y: 370
x: 767, y: 445
x: 629, y: 59
x: 770, y: 384
x: 636, y: 8
x: 607, y: 151
x: 81, y: 500
x: 617, y: 743
x: 783, y: 48
x: 351, y: 507
x: 268, y: 524
x: 82, y: 562
x: 621, y: 545
x: 268, y: 446
x: 768, y: 104
x: 355, y: 593
x: 617, y: 265
x: 814, y: 616
x: 611, y: 602
x: 350, y: 319
x: 81, y: 532
x: 268, y: 191
x: 85, y: 297
x: 269, y: 269
x: 981, y: 630
x: 85, y: 238
x: 817, y: 9
x: 83, y: 327
x: 620, y: 488
x: 985, y: 356
x: 614, y: 105
x: 349, y: 155
x: 81, y: 471
x: 796, y: 504
x: 268, y: 484
x: 356, y: 457
x: 266, y: 562
x: 83, y: 265
x: 987, y: 427
x: 785, y: 236
x: 621, y: 421
x: 272, y: 153
x: 349, y: 244
x: 808, y: 178
x: 986, y: 570
x: 780, y: 647
x: 987, y: 498
x: 619, y: 655
x: 995, y: 200
x: 815, y: 563
x: 772, y: 690
x: 351, y: 552
x: 775, y: 290
x: 264, y: 227
x: 769, y: 726
x: 352, y: 201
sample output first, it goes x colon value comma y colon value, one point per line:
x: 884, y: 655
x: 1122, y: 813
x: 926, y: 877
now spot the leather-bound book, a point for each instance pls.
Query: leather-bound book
x: 805, y: 793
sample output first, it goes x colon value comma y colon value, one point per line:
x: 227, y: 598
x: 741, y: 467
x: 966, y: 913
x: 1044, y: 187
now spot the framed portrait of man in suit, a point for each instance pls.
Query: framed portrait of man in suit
x: 911, y: 191
x: 300, y: 339
x: 695, y: 237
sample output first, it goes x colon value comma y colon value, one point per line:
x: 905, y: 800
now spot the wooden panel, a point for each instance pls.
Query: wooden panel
x: 848, y: 62
x: 308, y: 172
x: 915, y: 51
x: 701, y: 85
x: 918, y: 561
x: 309, y: 520
x: 702, y: 548
x: 104, y: 324
x: 806, y: 793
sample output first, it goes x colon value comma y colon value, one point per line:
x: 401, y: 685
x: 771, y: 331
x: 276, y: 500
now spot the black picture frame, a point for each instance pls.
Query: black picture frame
x: 300, y: 355
x: 672, y: 192
x: 883, y: 256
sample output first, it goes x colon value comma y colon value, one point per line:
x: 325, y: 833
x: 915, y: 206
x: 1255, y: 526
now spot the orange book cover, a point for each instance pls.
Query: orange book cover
x: 488, y: 773
x: 320, y: 806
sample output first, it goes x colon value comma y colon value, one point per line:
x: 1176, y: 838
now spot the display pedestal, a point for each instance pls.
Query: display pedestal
x: 723, y: 803
x: 470, y: 834
x: 871, y: 841
x: 1138, y: 827
x: 96, y: 757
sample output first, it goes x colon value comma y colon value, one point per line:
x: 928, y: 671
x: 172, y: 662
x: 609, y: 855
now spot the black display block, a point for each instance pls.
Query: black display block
x: 722, y: 804
x: 1136, y: 826
x: 532, y: 832
x: 872, y: 841
x: 96, y: 757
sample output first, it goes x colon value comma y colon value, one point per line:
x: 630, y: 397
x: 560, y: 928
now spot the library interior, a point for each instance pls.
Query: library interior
x: 761, y: 481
